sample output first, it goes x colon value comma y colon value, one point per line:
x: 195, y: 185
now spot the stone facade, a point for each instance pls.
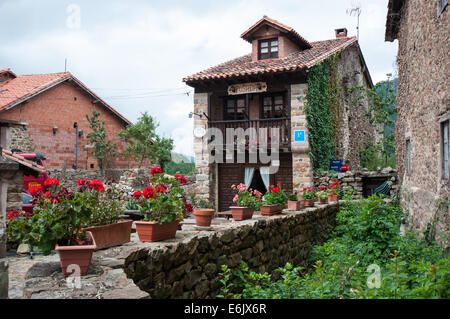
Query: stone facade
x: 204, y: 170
x: 11, y: 179
x: 302, y: 173
x: 355, y: 129
x: 423, y: 100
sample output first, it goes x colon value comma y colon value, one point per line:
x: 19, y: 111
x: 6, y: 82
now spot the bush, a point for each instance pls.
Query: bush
x: 365, y: 257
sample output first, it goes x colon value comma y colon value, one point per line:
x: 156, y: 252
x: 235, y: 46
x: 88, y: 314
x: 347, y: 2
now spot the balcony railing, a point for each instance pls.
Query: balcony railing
x: 282, y: 123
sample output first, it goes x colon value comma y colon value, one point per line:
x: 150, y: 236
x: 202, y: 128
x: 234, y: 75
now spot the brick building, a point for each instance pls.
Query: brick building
x: 267, y: 88
x: 422, y: 129
x: 44, y: 108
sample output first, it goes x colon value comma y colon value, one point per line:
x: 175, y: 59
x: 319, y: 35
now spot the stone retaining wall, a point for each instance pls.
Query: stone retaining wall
x: 189, y: 266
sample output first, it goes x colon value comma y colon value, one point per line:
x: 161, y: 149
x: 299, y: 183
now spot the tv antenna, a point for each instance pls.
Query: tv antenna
x: 65, y: 65
x: 355, y: 11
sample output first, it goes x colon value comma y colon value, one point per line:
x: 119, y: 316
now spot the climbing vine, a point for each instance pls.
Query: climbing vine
x: 323, y: 112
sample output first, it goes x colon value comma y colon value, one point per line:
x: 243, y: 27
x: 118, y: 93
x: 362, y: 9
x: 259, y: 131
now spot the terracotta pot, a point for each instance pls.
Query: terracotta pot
x: 153, y: 231
x: 111, y: 235
x: 269, y: 210
x: 296, y: 205
x: 323, y: 201
x: 333, y: 198
x: 309, y: 203
x: 79, y: 255
x: 203, y: 216
x: 241, y: 213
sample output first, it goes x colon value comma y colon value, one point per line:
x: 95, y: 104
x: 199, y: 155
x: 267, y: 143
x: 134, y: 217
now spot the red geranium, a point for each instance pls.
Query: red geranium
x: 51, y: 181
x: 137, y: 194
x: 97, y: 185
x: 275, y: 190
x: 161, y: 188
x: 181, y: 179
x: 35, y: 189
x: 148, y: 192
x: 189, y: 208
x: 155, y: 170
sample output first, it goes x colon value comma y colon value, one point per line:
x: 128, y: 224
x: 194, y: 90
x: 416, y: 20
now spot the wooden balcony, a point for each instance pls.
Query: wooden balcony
x: 283, y: 124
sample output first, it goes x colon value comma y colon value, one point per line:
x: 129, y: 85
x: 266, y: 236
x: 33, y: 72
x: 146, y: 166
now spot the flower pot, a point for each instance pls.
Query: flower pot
x: 153, y: 231
x: 309, y: 203
x: 79, y: 255
x: 323, y: 201
x: 296, y: 205
x: 333, y: 198
x: 111, y: 235
x: 269, y: 210
x: 241, y: 213
x: 203, y: 216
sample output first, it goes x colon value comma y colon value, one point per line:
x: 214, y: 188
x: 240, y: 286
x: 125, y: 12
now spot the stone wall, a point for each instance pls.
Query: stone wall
x: 302, y: 171
x: 204, y: 170
x: 189, y: 266
x: 356, y: 179
x: 423, y: 99
x: 20, y: 139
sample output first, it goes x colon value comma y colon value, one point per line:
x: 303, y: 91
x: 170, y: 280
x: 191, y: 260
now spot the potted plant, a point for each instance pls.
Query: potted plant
x: 333, y: 192
x: 309, y: 194
x: 247, y: 202
x: 273, y: 201
x: 322, y: 195
x: 57, y: 222
x: 203, y: 211
x: 104, y: 221
x: 294, y: 203
x: 163, y: 205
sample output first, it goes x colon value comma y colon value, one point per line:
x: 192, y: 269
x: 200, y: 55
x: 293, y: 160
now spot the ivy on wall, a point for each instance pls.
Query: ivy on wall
x: 323, y: 113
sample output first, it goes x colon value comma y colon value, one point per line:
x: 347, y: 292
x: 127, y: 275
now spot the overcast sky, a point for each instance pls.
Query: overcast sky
x: 134, y: 54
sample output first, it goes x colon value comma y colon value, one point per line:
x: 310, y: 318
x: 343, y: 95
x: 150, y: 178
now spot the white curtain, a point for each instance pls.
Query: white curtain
x: 264, y: 171
x: 248, y: 175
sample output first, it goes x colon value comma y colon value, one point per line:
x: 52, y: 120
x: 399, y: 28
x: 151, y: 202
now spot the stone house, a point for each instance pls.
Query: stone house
x: 422, y: 129
x: 42, y: 110
x: 267, y: 89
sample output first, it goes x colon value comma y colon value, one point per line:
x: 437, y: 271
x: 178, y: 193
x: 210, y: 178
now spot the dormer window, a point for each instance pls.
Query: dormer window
x: 268, y: 49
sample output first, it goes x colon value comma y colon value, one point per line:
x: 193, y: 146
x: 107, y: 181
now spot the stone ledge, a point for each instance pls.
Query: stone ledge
x: 184, y: 267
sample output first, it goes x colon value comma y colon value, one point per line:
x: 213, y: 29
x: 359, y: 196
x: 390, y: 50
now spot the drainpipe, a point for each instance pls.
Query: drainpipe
x: 75, y: 125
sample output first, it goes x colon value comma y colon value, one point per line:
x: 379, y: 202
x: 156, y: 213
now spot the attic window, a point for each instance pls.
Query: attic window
x: 268, y: 49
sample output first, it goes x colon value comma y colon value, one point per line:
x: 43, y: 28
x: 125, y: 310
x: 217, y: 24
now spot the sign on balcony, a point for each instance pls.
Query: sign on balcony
x: 247, y: 88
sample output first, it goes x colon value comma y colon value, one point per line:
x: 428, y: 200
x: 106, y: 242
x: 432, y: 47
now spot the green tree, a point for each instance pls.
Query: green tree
x: 104, y: 149
x: 145, y: 143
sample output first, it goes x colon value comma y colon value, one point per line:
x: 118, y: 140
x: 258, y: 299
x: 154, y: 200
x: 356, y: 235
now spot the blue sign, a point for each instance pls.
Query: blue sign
x: 336, y: 165
x: 299, y: 136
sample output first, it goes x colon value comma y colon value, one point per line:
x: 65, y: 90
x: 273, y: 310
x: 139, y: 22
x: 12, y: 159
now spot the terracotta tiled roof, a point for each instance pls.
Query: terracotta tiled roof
x: 282, y: 27
x: 23, y: 87
x: 244, y: 65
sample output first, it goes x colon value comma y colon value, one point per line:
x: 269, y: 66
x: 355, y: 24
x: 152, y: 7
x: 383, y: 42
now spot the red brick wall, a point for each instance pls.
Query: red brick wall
x: 61, y: 106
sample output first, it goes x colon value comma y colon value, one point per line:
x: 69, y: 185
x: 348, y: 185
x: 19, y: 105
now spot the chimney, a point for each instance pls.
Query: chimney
x: 341, y: 33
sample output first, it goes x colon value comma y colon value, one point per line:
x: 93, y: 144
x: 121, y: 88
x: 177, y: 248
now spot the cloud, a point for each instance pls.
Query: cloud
x: 141, y: 50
